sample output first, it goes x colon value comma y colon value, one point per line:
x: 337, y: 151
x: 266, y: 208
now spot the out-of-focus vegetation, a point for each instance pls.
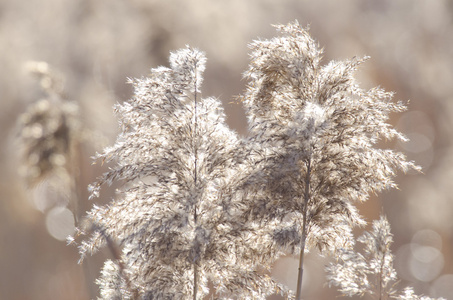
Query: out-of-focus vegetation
x: 96, y: 45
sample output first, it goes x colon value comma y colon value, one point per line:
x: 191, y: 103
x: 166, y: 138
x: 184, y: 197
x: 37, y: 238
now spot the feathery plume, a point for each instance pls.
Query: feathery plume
x: 49, y: 131
x: 312, y: 144
x: 373, y: 272
x: 172, y: 220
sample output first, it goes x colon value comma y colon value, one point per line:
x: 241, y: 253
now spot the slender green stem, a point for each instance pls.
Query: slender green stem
x: 304, y: 231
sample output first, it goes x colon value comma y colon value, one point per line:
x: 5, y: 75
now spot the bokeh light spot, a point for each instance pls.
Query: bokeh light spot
x: 427, y: 268
x: 443, y: 287
x: 60, y: 223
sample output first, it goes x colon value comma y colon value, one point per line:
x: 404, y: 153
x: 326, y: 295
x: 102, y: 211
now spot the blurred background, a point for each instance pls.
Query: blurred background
x: 93, y: 46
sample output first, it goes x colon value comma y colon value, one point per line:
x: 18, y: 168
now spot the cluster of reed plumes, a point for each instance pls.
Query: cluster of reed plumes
x: 202, y: 211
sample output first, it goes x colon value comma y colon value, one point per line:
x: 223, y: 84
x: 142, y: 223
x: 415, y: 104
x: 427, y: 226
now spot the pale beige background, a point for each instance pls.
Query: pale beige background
x: 97, y: 44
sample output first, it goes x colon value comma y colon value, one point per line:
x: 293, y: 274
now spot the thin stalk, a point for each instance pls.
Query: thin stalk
x: 122, y: 268
x: 304, y: 231
x: 195, y: 216
x: 75, y: 159
x: 195, y: 281
x: 381, y: 288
